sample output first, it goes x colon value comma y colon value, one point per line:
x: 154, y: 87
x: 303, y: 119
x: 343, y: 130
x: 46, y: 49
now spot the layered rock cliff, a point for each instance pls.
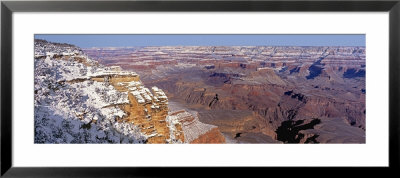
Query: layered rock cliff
x: 194, y: 130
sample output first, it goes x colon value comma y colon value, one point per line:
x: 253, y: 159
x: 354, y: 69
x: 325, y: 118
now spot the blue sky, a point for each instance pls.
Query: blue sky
x: 87, y: 40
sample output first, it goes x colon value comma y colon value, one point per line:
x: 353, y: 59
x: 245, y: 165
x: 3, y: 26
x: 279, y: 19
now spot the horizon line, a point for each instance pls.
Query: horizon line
x: 147, y: 40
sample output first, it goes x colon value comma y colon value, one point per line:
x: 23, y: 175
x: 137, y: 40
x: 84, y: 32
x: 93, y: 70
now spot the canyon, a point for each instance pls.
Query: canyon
x: 254, y: 94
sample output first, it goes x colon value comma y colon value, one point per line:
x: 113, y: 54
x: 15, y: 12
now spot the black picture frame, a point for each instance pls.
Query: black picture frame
x: 8, y: 7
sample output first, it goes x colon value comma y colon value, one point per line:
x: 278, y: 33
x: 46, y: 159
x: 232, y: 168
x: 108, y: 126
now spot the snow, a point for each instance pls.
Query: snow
x: 108, y: 71
x: 154, y: 106
x: 50, y: 54
x: 68, y: 53
x: 141, y: 93
x: 76, y: 112
x: 171, y: 122
x: 155, y: 89
x: 101, y: 95
x: 138, y: 97
x: 147, y: 97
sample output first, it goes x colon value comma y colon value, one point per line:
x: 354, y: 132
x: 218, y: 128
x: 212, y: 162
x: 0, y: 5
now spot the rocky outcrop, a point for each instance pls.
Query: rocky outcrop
x: 211, y: 136
x: 147, y: 110
x: 194, y: 130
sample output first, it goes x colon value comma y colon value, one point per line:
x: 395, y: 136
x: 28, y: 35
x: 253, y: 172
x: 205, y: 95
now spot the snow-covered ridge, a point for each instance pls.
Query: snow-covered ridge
x: 77, y: 112
x: 45, y: 48
x: 109, y: 71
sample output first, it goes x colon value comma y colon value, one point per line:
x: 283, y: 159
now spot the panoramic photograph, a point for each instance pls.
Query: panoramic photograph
x: 199, y: 89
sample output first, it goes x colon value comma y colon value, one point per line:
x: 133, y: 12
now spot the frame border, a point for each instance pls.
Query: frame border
x: 8, y: 7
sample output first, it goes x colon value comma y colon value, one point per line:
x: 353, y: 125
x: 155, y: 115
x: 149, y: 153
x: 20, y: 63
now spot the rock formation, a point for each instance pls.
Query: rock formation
x: 194, y: 130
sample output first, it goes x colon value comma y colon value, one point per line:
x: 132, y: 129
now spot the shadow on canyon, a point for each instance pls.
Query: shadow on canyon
x: 289, y: 130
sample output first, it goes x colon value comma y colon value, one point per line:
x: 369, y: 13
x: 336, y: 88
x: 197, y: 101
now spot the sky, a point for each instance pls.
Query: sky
x: 115, y: 40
